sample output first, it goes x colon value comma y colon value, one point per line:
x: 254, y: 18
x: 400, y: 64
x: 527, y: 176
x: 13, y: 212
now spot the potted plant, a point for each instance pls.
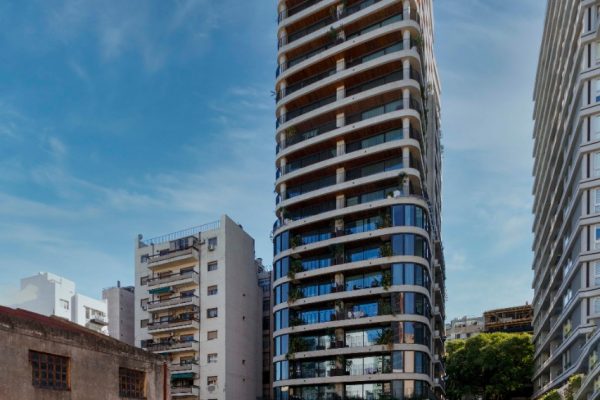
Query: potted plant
x: 386, y: 337
x: 386, y: 280
x: 386, y: 250
x: 295, y: 294
x: 296, y: 241
x: 295, y: 267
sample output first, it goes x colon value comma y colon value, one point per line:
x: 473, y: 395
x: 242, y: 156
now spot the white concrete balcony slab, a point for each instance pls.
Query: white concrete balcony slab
x: 173, y: 302
x: 174, y: 324
x: 176, y: 279
x: 183, y: 392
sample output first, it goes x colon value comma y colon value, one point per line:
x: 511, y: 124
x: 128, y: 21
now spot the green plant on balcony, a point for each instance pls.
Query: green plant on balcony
x: 296, y: 241
x: 552, y: 395
x: 297, y: 345
x: 384, y: 308
x: 295, y: 294
x: 285, y: 214
x: 386, y: 337
x: 386, y: 280
x: 573, y: 385
x: 385, y: 218
x: 386, y: 250
x: 295, y: 267
x: 296, y: 321
x: 333, y: 33
x: 567, y: 327
x: 290, y: 133
x: 419, y: 41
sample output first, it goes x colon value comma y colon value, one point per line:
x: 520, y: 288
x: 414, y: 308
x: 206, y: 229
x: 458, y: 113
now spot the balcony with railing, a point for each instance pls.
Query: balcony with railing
x: 296, y: 8
x: 170, y: 346
x: 187, y: 366
x: 177, y: 278
x: 170, y: 302
x: 181, y: 322
x: 185, y: 391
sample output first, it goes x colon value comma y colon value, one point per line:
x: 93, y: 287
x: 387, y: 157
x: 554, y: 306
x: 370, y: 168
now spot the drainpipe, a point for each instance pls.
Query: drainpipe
x: 165, y: 381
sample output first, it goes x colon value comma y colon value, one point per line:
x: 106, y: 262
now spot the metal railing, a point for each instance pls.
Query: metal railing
x: 172, y: 277
x: 183, y: 233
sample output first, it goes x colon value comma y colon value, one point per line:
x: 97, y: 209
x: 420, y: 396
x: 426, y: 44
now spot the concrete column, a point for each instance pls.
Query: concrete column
x: 282, y: 165
x: 341, y: 148
x: 282, y: 38
x: 406, y: 40
x: 282, y: 11
x: 405, y: 69
x: 282, y: 63
x: 405, y: 98
x: 340, y: 92
x: 282, y: 138
x: 340, y: 201
x: 406, y: 128
x: 340, y: 64
x: 340, y: 175
x: 406, y: 10
x: 405, y: 157
x: 282, y: 190
x: 282, y: 87
x: 340, y: 120
x: 282, y: 113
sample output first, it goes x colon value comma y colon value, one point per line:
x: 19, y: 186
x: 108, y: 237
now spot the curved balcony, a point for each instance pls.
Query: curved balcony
x: 298, y: 8
x: 339, y: 45
x: 369, y: 116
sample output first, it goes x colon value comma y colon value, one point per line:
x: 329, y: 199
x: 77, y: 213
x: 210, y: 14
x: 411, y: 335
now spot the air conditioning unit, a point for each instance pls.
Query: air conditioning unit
x: 211, y: 388
x: 211, y: 247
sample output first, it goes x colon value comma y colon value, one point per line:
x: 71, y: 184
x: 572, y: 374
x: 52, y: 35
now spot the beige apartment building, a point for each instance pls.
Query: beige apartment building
x: 198, y: 303
x: 359, y: 277
x: 566, y: 204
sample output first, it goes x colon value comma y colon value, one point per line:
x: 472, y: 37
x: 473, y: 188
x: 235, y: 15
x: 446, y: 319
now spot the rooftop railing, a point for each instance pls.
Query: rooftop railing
x: 183, y: 233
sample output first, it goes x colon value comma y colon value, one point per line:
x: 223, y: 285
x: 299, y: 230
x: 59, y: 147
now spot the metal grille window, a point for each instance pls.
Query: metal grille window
x: 211, y: 313
x: 131, y: 383
x: 49, y: 371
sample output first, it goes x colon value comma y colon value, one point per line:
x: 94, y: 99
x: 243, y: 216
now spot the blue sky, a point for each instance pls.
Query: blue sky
x: 150, y: 117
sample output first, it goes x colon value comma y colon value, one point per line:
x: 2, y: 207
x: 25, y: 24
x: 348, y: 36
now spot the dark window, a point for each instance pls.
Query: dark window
x: 131, y: 383
x: 211, y: 313
x: 49, y: 371
x: 212, y: 266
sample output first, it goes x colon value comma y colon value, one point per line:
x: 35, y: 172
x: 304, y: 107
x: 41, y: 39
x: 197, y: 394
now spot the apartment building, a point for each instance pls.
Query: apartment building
x: 566, y: 204
x: 120, y: 303
x: 50, y: 294
x: 358, y: 261
x: 464, y: 328
x: 264, y: 282
x: 510, y: 319
x: 198, y: 302
x: 52, y: 358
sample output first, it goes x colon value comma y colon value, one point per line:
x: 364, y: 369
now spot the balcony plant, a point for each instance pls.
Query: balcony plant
x: 290, y: 133
x: 384, y: 308
x: 386, y: 337
x: 295, y: 267
x: 567, y: 327
x: 297, y: 344
x: 296, y: 321
x: 296, y: 241
x: 386, y: 280
x: 573, y: 386
x: 295, y: 294
x: 385, y: 218
x: 386, y: 250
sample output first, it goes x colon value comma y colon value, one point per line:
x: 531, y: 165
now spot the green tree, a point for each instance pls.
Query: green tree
x: 492, y: 365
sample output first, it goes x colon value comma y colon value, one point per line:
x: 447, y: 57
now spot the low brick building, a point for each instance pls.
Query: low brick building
x: 48, y: 358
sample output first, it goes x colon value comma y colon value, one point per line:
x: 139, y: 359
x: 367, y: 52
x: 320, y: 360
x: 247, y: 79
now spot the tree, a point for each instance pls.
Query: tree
x: 491, y: 365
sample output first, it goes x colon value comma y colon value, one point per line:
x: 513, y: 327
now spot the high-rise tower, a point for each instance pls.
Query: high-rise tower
x: 566, y: 204
x: 358, y: 266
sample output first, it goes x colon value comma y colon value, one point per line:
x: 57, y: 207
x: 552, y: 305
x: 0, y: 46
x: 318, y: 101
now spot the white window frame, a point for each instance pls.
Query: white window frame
x: 596, y: 237
x: 596, y: 200
x: 596, y: 273
x: 596, y: 166
x: 597, y: 91
x: 211, y: 358
x: 596, y: 305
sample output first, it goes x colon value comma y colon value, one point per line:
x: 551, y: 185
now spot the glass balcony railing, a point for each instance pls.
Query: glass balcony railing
x: 304, y: 83
x: 376, y: 168
x: 383, y: 80
x: 296, y: 9
x: 305, y: 109
x: 311, y: 186
x: 305, y: 31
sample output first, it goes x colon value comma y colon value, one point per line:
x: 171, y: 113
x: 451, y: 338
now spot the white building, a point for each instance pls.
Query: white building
x: 50, y: 294
x: 197, y: 302
x: 121, y: 303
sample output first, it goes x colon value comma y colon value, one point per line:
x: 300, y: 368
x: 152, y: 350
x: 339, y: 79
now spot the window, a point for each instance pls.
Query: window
x: 143, y: 280
x: 211, y: 313
x: 211, y: 380
x: 49, y: 371
x: 212, y: 290
x: 596, y: 164
x: 131, y: 383
x: 211, y: 335
x: 64, y: 304
x: 144, y: 304
x: 212, y: 266
x: 144, y: 258
x: 186, y: 293
x: 597, y: 273
x: 186, y: 338
x: 211, y: 358
x: 212, y: 243
x: 597, y: 237
x: 597, y: 82
x: 596, y: 305
x: 597, y: 200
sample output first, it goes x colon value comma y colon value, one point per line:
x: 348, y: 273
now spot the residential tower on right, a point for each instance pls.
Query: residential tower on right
x: 566, y: 204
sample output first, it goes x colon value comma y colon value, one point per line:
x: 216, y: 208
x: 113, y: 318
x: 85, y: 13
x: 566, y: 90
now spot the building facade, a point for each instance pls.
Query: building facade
x: 50, y: 358
x: 49, y: 294
x: 120, y: 303
x: 464, y: 328
x: 358, y: 262
x: 566, y: 204
x: 264, y: 282
x: 517, y: 319
x: 197, y: 302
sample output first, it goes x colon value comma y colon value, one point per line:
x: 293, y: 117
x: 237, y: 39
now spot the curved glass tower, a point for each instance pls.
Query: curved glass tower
x: 358, y: 262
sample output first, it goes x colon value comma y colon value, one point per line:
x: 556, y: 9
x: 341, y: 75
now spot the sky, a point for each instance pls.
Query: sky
x: 123, y: 117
